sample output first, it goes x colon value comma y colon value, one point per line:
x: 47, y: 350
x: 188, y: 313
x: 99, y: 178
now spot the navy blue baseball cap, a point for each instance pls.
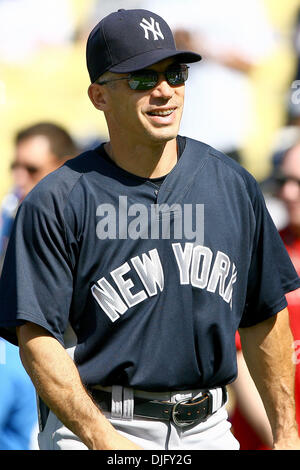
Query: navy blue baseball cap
x: 130, y: 40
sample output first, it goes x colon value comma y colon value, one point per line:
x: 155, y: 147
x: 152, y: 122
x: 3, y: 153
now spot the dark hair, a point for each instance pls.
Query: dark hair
x: 61, y: 143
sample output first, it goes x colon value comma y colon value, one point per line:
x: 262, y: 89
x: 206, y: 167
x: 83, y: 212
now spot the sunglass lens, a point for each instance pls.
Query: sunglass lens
x: 177, y: 77
x: 147, y: 79
x: 30, y: 169
x: 143, y: 81
x: 281, y: 181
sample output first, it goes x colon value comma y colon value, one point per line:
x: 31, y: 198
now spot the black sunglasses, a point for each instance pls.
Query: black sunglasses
x: 283, y: 179
x: 29, y: 168
x: 147, y: 79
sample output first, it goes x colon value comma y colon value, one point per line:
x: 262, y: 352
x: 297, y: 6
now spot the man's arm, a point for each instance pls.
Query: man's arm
x: 267, y: 351
x: 250, y: 404
x: 58, y: 383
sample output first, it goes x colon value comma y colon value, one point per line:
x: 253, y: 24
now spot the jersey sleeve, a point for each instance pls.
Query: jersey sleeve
x: 271, y: 272
x: 36, y: 282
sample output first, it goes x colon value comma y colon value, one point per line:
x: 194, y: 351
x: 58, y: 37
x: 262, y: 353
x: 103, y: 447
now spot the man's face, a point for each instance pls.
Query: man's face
x: 33, y: 161
x: 290, y: 189
x: 145, y: 116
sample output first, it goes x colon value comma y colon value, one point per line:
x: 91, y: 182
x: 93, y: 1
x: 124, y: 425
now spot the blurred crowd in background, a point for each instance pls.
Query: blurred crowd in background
x: 243, y: 98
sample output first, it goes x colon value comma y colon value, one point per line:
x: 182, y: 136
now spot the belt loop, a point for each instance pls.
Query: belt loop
x: 116, y: 401
x: 128, y: 403
x: 217, y: 397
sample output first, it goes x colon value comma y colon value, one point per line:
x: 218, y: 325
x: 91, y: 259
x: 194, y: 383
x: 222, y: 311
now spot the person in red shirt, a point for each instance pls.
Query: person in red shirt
x: 289, y: 193
x: 248, y: 417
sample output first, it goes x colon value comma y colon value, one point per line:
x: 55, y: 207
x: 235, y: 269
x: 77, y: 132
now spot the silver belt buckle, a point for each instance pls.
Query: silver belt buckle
x: 181, y: 424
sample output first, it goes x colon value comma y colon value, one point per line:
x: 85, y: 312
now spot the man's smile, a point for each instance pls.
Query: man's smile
x: 161, y: 112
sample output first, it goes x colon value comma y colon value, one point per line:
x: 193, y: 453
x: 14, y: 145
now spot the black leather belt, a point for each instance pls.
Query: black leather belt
x: 186, y: 412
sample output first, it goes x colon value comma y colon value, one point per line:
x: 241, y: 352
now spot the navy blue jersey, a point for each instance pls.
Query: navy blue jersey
x: 153, y: 281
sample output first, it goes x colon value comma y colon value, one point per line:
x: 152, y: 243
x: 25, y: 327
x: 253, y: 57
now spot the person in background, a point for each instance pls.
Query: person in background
x: 289, y: 193
x: 18, y: 411
x: 249, y: 419
x: 39, y: 150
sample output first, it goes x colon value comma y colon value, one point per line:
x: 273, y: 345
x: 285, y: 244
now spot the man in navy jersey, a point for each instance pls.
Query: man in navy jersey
x: 131, y: 268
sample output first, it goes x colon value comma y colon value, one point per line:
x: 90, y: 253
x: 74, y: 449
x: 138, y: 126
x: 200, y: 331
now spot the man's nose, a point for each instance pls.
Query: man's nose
x: 163, y: 89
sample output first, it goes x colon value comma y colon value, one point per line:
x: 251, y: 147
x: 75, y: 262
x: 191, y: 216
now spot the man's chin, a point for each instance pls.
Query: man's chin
x: 163, y: 135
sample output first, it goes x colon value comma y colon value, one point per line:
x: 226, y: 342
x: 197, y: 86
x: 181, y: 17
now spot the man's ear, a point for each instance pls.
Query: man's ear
x: 97, y: 96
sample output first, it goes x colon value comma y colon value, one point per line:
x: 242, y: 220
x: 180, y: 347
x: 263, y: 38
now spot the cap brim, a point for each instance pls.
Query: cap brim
x: 146, y: 59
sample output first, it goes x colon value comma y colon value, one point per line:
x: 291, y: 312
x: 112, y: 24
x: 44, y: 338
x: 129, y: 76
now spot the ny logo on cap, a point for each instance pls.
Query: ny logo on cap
x: 151, y: 27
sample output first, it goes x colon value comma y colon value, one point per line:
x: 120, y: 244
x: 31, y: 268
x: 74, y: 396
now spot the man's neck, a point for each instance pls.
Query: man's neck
x: 145, y: 161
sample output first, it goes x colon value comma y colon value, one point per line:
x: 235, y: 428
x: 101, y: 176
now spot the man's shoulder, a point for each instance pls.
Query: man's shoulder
x: 224, y: 163
x: 53, y: 191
